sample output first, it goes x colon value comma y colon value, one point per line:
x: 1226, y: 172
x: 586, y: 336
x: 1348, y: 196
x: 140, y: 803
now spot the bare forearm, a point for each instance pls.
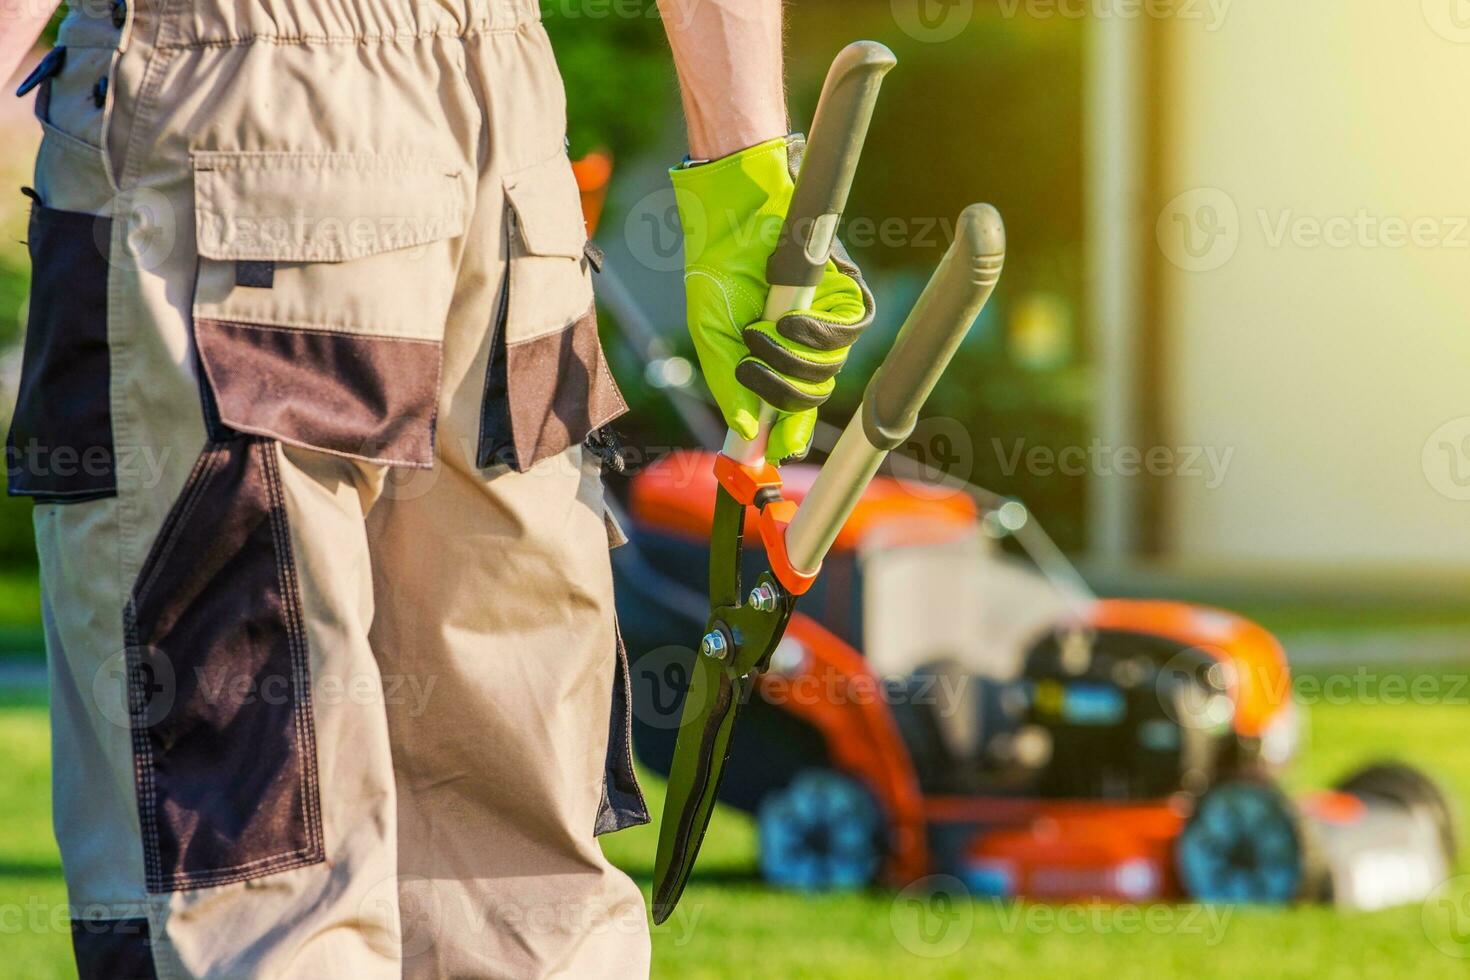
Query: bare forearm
x: 19, y: 29
x: 728, y: 55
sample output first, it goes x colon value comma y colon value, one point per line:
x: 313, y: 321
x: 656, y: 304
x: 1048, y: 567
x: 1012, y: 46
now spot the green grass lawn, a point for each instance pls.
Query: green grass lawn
x: 728, y: 925
x: 20, y: 613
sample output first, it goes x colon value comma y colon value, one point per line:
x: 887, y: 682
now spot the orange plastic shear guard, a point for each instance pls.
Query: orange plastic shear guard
x: 759, y: 486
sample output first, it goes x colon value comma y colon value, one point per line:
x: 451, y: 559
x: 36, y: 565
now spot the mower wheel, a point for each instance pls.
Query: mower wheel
x: 1413, y: 790
x: 822, y: 832
x: 1247, y: 842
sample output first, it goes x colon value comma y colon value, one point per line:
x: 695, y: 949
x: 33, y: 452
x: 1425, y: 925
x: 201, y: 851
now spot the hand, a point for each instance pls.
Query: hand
x: 19, y: 29
x: 732, y: 210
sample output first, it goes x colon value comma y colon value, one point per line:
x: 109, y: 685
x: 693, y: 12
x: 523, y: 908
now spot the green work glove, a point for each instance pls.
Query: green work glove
x: 731, y: 210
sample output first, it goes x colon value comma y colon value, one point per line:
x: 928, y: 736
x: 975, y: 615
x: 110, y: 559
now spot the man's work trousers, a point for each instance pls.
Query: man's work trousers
x: 336, y: 684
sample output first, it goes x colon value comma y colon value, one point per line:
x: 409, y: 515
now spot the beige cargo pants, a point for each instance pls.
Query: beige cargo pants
x: 336, y: 688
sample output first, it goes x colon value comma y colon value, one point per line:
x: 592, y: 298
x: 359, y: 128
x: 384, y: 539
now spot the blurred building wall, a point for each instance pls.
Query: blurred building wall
x: 1311, y: 283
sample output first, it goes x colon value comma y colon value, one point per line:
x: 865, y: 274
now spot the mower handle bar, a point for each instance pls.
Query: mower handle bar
x: 829, y: 162
x: 926, y: 343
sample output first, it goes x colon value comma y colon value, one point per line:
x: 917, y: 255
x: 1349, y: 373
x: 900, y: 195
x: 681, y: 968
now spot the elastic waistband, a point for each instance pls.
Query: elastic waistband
x: 205, y: 23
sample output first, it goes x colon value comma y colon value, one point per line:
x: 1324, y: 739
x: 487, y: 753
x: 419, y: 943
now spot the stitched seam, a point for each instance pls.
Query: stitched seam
x: 168, y: 536
x: 553, y: 327
x: 246, y: 866
x: 290, y: 326
x: 18, y: 489
x: 621, y: 406
x: 725, y: 283
x: 226, y: 876
x: 623, y: 669
x: 143, y: 782
x: 266, y: 454
x: 119, y: 355
x: 824, y: 317
x: 284, y: 40
x: 290, y: 254
x: 220, y: 161
x: 103, y: 910
x: 795, y: 354
x: 453, y: 221
x: 721, y: 284
x: 296, y: 639
x: 296, y: 633
x: 71, y: 142
x: 146, y: 105
x: 735, y: 160
x: 256, y: 430
x: 144, y: 767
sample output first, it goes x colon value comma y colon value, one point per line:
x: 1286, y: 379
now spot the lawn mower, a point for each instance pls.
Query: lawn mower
x: 931, y: 706
x: 935, y: 706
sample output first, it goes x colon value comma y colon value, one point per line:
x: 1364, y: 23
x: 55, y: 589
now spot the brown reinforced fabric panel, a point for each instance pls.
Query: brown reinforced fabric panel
x: 113, y: 949
x: 60, y: 442
x: 558, y: 389
x: 371, y: 398
x: 219, y: 689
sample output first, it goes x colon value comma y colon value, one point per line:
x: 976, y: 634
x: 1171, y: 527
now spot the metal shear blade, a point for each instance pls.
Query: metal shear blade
x: 720, y: 682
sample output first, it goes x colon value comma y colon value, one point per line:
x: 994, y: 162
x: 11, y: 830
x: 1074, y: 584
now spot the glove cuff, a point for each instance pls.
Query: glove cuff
x: 705, y: 166
x: 727, y: 200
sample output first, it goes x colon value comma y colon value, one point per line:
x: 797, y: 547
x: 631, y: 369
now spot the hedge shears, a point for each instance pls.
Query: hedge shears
x: 743, y: 628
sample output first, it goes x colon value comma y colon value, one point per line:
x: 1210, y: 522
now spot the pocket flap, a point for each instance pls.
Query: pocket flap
x: 321, y: 207
x: 547, y: 207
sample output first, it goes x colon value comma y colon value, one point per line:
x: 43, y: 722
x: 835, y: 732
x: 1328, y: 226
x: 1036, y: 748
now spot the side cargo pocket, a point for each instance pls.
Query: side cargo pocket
x: 548, y: 383
x: 59, y: 448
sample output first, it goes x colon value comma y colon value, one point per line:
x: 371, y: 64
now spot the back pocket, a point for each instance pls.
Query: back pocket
x: 59, y: 448
x: 324, y: 283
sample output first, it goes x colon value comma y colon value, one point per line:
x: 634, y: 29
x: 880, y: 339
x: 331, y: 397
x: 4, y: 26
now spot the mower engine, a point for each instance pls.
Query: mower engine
x: 1129, y: 716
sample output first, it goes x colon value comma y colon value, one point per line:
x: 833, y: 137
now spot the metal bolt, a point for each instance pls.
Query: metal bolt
x: 763, y: 598
x: 713, y: 645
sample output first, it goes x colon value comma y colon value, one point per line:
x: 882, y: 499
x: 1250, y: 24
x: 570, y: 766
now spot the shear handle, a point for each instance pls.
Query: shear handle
x: 828, y: 165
